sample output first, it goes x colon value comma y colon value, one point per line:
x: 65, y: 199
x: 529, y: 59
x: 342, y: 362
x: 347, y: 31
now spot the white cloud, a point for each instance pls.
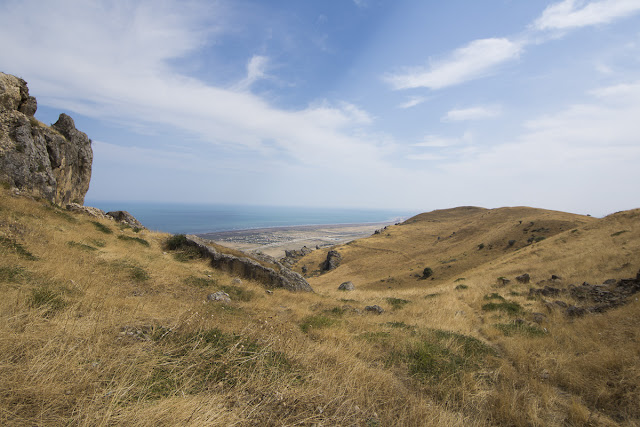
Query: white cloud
x: 120, y: 70
x: 412, y: 102
x: 256, y: 70
x: 570, y: 14
x: 472, y: 113
x: 475, y: 60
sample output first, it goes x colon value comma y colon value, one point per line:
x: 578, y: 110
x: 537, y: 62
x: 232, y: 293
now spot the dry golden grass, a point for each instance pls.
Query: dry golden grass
x: 101, y: 328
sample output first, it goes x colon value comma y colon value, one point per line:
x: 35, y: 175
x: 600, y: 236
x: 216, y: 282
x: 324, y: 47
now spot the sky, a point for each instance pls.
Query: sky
x: 391, y: 104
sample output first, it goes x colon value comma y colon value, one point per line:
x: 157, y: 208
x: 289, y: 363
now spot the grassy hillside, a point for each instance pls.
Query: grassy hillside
x: 100, y: 325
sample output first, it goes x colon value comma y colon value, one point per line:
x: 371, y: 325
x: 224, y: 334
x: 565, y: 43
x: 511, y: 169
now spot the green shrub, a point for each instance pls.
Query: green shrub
x: 461, y: 287
x: 431, y: 296
x: 427, y: 272
x: 175, y: 242
x: 481, y: 246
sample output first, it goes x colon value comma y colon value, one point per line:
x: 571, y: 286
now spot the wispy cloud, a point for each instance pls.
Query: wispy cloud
x: 472, y: 113
x: 412, y: 102
x: 475, y: 60
x: 124, y: 74
x: 256, y: 70
x: 570, y: 14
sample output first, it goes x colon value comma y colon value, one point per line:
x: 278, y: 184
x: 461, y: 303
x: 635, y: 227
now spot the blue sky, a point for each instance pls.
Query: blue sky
x: 397, y: 104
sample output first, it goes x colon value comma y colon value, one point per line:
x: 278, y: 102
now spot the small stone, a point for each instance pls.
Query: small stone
x: 374, y: 309
x: 346, y: 286
x: 538, y: 317
x: 269, y: 291
x: 523, y: 278
x: 236, y: 281
x: 219, y: 297
x: 555, y: 277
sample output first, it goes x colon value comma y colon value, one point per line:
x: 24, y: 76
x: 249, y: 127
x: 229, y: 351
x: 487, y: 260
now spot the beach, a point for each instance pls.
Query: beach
x: 274, y: 241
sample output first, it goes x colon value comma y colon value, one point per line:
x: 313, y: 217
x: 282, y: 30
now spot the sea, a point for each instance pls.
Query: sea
x: 208, y: 218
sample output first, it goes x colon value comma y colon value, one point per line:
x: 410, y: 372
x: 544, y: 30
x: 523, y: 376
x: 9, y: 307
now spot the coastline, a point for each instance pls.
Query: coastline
x: 274, y: 241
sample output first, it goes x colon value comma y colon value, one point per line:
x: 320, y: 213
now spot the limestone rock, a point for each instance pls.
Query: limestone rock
x: 346, y: 286
x: 54, y: 162
x: 219, y: 297
x: 249, y: 269
x: 88, y: 210
x: 333, y: 260
x: 125, y: 218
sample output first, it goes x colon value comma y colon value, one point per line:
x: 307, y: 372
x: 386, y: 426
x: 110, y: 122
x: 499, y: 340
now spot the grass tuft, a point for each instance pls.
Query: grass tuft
x: 506, y: 306
x: 134, y: 239
x: 397, y: 303
x: 101, y: 227
x: 12, y: 274
x: 18, y: 248
x: 316, y: 322
x: 510, y: 329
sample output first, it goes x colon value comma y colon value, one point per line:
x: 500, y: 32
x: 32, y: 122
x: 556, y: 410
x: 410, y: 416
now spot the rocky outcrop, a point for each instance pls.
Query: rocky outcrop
x: 333, y: 260
x: 54, y: 162
x: 592, y: 298
x: 249, y: 269
x: 293, y: 256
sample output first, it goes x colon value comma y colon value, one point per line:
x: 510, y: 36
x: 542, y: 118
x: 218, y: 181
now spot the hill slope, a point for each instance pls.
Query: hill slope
x: 102, y: 325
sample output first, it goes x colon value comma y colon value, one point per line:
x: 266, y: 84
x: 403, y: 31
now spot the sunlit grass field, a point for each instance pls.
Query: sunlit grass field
x: 101, y: 324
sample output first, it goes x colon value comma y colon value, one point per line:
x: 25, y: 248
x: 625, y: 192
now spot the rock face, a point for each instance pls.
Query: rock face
x: 54, y: 162
x: 250, y: 269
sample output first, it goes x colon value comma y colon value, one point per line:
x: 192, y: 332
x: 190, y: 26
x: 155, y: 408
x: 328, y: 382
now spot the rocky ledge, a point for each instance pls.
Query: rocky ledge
x: 250, y: 269
x: 50, y: 162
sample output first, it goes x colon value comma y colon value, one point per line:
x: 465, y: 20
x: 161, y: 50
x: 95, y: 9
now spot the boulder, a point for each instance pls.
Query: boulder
x: 346, y: 286
x: 125, y: 218
x: 333, y: 260
x: 523, y: 278
x: 53, y: 163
